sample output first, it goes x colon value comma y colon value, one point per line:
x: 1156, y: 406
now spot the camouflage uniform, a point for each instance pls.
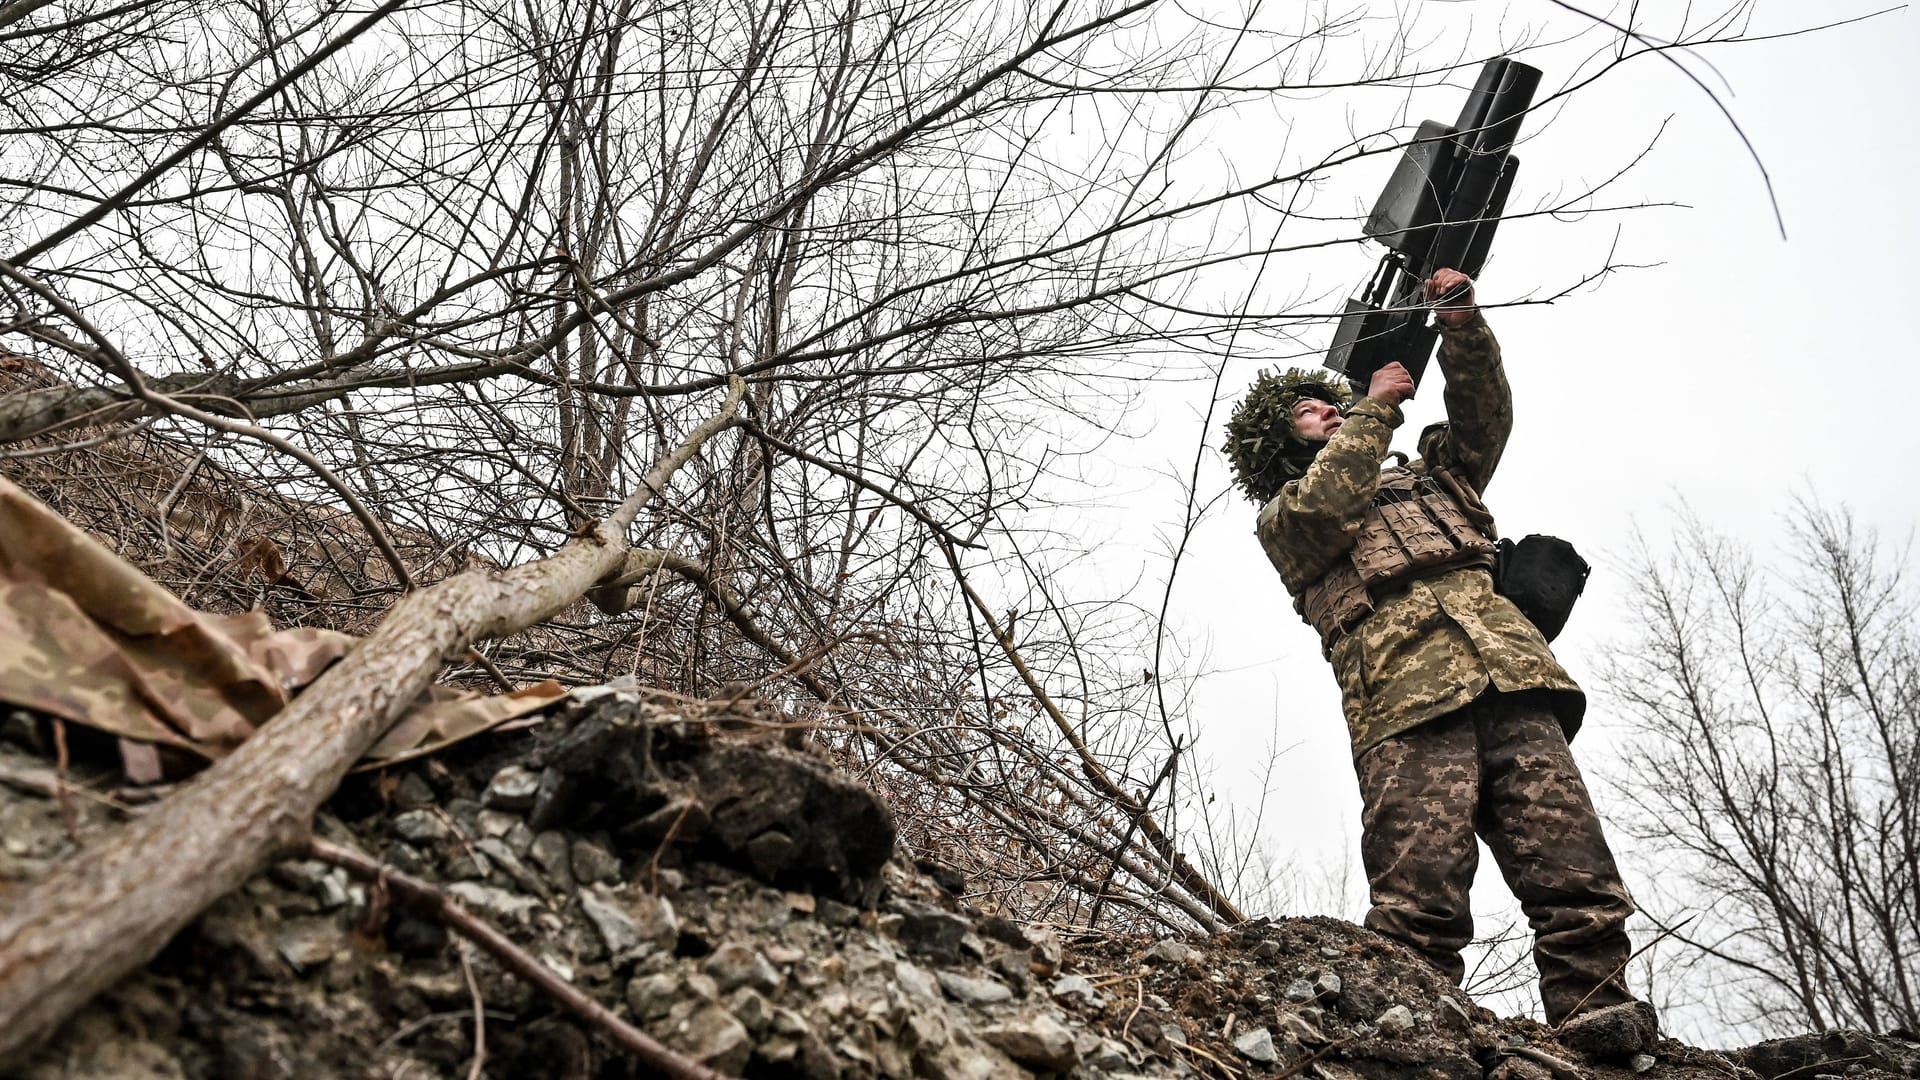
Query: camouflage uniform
x: 1458, y: 712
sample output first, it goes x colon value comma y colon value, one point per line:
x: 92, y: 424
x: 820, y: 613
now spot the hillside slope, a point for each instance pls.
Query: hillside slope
x: 715, y: 881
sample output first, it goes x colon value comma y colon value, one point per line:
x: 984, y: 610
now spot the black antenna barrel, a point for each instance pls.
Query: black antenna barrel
x: 1495, y: 109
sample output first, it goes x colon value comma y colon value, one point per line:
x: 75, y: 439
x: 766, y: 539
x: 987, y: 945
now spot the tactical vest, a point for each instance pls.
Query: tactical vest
x: 1415, y: 527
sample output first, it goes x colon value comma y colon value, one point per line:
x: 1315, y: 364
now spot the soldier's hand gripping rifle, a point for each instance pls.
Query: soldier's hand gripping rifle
x: 1439, y: 210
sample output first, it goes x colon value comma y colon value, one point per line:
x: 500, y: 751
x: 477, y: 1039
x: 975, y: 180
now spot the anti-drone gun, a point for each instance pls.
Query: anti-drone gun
x: 1439, y: 209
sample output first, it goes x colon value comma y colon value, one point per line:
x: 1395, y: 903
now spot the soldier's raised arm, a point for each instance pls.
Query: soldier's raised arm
x: 1479, y: 401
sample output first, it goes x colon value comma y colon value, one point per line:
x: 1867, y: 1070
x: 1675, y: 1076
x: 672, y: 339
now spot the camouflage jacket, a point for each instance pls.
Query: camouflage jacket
x: 1441, y: 642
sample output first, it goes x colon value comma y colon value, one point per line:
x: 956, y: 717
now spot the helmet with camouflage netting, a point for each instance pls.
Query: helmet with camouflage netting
x: 1265, y: 449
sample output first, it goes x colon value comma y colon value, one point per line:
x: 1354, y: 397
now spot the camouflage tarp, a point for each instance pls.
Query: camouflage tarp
x: 86, y: 637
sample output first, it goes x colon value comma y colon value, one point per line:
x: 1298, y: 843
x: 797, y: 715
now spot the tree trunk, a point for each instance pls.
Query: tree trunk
x: 111, y: 907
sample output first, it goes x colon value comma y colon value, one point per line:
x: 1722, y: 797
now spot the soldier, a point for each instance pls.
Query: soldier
x: 1458, y: 711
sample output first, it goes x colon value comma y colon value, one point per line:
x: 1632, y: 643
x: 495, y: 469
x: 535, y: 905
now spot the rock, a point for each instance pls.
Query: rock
x: 1838, y: 1049
x: 1613, y: 1033
x: 1078, y: 990
x: 519, y: 838
x: 750, y: 1008
x: 1301, y: 1029
x: 307, y: 943
x: 770, y: 854
x: 1266, y: 950
x: 842, y: 832
x: 404, y: 857
x: 961, y: 1061
x: 560, y: 965
x: 1395, y: 1022
x: 1641, y: 1062
x: 1045, y: 951
x: 413, y: 793
x: 468, y: 865
x: 931, y: 932
x: 495, y: 903
x: 1516, y: 1068
x: 969, y: 990
x: 737, y: 964
x: 337, y: 890
x: 650, y: 996
x: 1039, y: 1041
x: 422, y: 826
x: 302, y: 874
x: 326, y: 884
x: 1109, y: 1055
x: 789, y: 1023
x: 1013, y: 968
x: 463, y: 811
x: 915, y: 980
x: 892, y: 1059
x: 1299, y: 990
x: 925, y: 1031
x: 1257, y: 1045
x: 1169, y: 951
x: 509, y: 864
x: 711, y: 1036
x: 654, y: 918
x: 592, y: 863
x: 703, y: 986
x: 512, y: 788
x: 778, y: 1050
x: 496, y: 823
x: 615, y: 927
x: 1004, y: 931
x: 550, y: 852
x: 834, y: 913
x: 1326, y: 985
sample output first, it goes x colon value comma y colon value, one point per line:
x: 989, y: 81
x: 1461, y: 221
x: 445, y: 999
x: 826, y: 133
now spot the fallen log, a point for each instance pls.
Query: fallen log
x: 114, y: 905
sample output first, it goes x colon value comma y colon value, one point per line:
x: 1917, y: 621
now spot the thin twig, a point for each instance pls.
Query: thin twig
x: 1304, y: 1063
x: 1828, y: 1064
x: 49, y: 784
x: 429, y: 899
x: 479, y: 1014
x: 673, y: 830
x: 1196, y: 1048
x: 1561, y: 1070
x: 61, y: 760
x: 493, y: 670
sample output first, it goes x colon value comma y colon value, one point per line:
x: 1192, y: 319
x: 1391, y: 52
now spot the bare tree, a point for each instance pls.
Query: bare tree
x: 1778, y: 705
x: 312, y: 306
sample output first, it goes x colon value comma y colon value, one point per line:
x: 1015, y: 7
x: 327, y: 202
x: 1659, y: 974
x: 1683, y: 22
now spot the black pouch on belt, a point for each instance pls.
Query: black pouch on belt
x: 1543, y: 576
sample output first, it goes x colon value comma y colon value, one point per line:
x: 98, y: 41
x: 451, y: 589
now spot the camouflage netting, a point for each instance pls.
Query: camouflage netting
x: 1261, y: 443
x: 85, y: 636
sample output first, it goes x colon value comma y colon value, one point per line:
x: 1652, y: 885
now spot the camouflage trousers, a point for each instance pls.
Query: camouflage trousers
x: 1499, y: 768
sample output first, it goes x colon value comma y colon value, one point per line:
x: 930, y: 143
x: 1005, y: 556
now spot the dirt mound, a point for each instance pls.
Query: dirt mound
x: 740, y: 900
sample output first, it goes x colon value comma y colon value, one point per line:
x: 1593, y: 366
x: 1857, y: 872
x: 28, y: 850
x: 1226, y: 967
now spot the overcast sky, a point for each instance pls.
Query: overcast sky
x: 1736, y: 370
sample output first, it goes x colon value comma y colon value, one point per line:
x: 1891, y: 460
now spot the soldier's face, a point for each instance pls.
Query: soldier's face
x: 1316, y: 420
